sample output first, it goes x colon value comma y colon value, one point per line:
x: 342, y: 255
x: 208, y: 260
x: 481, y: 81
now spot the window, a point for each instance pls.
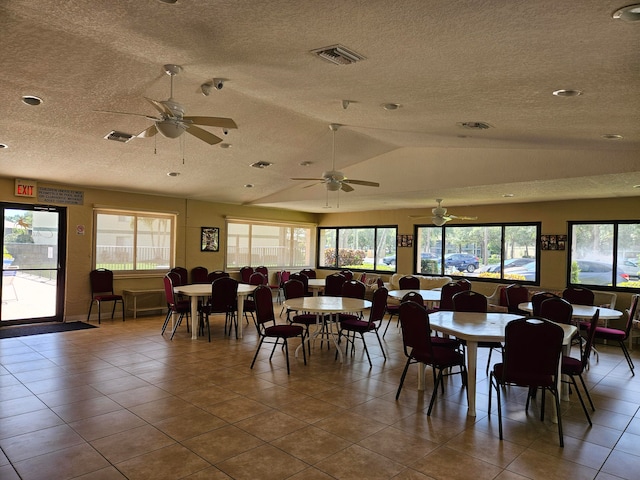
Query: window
x: 134, y: 241
x: 269, y: 244
x: 358, y: 248
x: 604, y: 254
x: 493, y: 252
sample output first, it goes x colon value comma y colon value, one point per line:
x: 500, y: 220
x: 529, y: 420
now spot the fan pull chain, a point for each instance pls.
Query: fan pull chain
x: 155, y: 144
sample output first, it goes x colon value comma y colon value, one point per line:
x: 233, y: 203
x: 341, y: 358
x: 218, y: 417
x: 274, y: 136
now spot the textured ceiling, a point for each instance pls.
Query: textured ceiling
x: 444, y: 62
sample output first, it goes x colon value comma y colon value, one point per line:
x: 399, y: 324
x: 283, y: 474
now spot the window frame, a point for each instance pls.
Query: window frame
x: 503, y: 226
x: 120, y: 212
x: 614, y: 252
x: 320, y: 251
x: 270, y: 223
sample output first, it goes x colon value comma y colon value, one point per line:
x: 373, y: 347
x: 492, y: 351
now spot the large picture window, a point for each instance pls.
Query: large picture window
x: 358, y: 248
x: 492, y: 252
x: 269, y: 244
x: 604, y: 254
x: 128, y: 241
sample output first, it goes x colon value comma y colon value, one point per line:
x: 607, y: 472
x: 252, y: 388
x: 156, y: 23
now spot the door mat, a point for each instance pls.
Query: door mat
x: 40, y: 328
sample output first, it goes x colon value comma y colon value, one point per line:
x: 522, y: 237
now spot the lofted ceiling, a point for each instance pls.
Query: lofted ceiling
x: 443, y: 62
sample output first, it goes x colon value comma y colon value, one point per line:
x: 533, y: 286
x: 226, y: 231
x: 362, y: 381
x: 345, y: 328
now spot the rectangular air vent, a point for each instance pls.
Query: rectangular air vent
x: 119, y: 136
x: 338, y: 54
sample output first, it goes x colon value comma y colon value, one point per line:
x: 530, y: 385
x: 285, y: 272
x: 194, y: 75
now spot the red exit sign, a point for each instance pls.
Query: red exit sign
x: 26, y: 188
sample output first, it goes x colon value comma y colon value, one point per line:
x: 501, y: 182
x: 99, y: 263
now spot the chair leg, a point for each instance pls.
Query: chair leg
x: 166, y: 321
x: 113, y: 310
x: 99, y: 313
x: 364, y: 344
x: 404, y: 374
x: 286, y: 352
x: 122, y: 302
x: 435, y: 391
x: 381, y: 347
x: 556, y: 396
x: 177, y: 325
x: 584, y: 408
x: 627, y: 357
x: 90, y: 307
x: 587, y: 392
x: 257, y: 350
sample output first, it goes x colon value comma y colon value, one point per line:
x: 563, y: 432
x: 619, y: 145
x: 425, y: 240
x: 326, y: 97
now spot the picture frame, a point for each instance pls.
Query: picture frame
x: 405, y: 240
x: 209, y: 239
x: 553, y: 242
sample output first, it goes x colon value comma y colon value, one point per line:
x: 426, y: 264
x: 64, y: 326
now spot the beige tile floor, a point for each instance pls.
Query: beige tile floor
x: 122, y: 401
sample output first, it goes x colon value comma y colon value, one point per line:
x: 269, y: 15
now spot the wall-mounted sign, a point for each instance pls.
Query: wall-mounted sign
x: 26, y: 188
x: 60, y: 195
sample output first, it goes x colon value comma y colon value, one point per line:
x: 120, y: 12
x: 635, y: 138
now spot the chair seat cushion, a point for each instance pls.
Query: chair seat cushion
x: 571, y: 366
x: 304, y: 318
x: 445, y: 342
x: 284, y: 331
x: 355, y: 325
x: 348, y: 317
x: 523, y: 379
x: 605, y: 333
x: 107, y: 298
x: 442, y: 357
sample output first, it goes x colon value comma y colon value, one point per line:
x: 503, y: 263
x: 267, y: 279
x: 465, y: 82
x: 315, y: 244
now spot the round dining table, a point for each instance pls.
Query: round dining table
x: 323, y: 306
x: 581, y: 312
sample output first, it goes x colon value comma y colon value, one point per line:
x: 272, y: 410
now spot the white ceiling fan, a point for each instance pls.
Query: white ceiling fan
x: 440, y: 217
x: 172, y: 122
x: 335, y: 180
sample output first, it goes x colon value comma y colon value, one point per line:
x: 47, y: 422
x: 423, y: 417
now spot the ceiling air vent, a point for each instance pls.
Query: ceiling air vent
x: 119, y: 136
x: 338, y: 54
x: 261, y: 164
x: 474, y: 125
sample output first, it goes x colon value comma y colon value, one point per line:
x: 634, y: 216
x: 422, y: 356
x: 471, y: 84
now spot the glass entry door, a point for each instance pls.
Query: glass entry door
x: 33, y: 245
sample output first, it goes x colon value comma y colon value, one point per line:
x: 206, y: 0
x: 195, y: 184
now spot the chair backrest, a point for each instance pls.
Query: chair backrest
x: 591, y: 334
x: 516, y: 294
x: 264, y: 306
x: 224, y: 292
x: 333, y: 284
x: 409, y: 282
x: 257, y: 278
x: 538, y: 298
x: 293, y: 289
x: 308, y: 272
x: 378, y: 305
x: 354, y: 289
x: 213, y: 276
x: 532, y: 351
x: 302, y: 278
x: 263, y: 270
x: 284, y: 277
x: 446, y: 295
x: 380, y: 282
x: 579, y: 295
x: 631, y: 313
x: 469, y: 301
x: 101, y: 281
x: 557, y: 310
x: 416, y: 330
x: 245, y: 273
x: 348, y: 274
x: 413, y: 297
x: 466, y: 284
x: 169, y: 294
x: 199, y: 275
x: 184, y: 275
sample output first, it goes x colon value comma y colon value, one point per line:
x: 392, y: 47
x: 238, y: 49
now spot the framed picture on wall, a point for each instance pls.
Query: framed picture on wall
x: 209, y: 239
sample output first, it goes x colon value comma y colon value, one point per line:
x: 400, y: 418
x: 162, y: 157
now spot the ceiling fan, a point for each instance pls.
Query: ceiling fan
x: 440, y: 216
x: 335, y: 180
x: 172, y: 122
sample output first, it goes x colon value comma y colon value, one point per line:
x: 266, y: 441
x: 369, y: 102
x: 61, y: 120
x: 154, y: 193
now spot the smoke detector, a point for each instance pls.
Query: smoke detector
x: 338, y: 54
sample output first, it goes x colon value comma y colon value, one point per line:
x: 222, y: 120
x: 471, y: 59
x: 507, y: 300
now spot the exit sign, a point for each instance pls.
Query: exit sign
x: 26, y: 188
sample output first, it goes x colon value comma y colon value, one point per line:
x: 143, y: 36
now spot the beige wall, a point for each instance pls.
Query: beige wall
x: 191, y: 215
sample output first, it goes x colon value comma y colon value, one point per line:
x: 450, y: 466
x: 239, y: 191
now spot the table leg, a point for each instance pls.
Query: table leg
x: 194, y: 317
x: 421, y: 370
x: 240, y: 314
x: 472, y: 361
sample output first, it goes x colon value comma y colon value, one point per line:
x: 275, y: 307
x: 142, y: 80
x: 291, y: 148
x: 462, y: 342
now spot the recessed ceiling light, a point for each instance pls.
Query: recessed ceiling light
x: 31, y: 100
x: 305, y: 164
x: 248, y: 185
x: 173, y: 174
x: 391, y: 106
x: 630, y: 13
x: 612, y: 136
x: 567, y: 93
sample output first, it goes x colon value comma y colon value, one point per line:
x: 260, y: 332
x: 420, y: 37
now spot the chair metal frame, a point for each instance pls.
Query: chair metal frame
x: 101, y: 284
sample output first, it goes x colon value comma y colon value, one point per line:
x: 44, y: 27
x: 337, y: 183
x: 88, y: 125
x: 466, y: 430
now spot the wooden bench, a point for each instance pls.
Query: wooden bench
x: 135, y: 293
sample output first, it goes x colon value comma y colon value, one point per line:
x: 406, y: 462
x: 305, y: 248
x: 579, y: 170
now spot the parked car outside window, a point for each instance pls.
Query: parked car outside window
x: 462, y: 261
x: 511, y: 263
x: 599, y: 273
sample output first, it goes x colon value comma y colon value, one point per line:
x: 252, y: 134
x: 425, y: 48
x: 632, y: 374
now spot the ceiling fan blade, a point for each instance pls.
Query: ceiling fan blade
x: 346, y: 187
x: 314, y: 184
x: 310, y: 179
x: 149, y: 132
x: 211, y: 121
x: 361, y: 182
x: 203, y: 135
x: 160, y: 107
x: 155, y: 119
x: 462, y: 217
